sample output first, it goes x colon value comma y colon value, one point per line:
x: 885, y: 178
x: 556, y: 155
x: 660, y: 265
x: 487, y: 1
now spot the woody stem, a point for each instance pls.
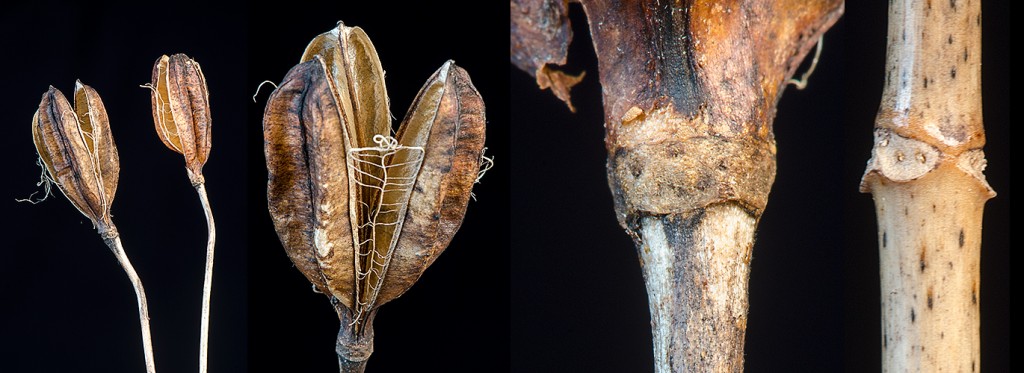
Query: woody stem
x: 111, y: 238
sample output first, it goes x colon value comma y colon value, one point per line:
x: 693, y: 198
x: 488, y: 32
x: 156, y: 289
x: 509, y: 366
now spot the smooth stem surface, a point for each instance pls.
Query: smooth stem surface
x: 930, y: 250
x: 114, y: 243
x: 204, y: 331
x: 697, y: 268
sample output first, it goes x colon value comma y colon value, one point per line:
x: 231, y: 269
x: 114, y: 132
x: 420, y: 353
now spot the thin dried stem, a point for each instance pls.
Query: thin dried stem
x: 204, y: 328
x: 111, y: 238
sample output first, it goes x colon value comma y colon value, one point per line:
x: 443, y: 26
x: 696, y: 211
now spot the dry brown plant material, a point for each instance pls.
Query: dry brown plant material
x: 690, y: 90
x: 181, y: 112
x: 925, y: 175
x: 77, y: 150
x: 361, y: 212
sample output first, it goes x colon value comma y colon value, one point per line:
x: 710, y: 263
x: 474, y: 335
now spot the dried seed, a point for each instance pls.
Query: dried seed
x: 78, y: 151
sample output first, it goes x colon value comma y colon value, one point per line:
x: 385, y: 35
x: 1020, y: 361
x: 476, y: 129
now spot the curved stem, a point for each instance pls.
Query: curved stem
x: 204, y: 331
x: 114, y: 242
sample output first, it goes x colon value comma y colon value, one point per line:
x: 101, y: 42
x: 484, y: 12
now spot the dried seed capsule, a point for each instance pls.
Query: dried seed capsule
x: 361, y: 213
x: 181, y: 110
x: 447, y: 118
x: 308, y: 180
x: 78, y: 151
x: 357, y: 79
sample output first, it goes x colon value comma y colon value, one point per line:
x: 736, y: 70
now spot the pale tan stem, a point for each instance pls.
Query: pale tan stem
x: 111, y: 238
x: 204, y: 331
x: 696, y: 268
x: 930, y: 246
x: 926, y: 178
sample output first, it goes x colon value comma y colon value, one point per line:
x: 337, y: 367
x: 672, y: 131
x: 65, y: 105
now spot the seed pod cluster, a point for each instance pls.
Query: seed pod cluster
x: 77, y: 149
x: 361, y: 212
x: 181, y: 110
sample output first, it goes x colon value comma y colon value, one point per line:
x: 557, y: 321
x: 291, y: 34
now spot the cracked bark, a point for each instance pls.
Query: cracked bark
x: 925, y: 175
x: 689, y: 93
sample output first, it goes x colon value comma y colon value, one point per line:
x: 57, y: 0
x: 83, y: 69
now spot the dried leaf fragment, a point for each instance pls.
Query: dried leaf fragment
x: 78, y: 151
x: 181, y: 110
x: 540, y: 43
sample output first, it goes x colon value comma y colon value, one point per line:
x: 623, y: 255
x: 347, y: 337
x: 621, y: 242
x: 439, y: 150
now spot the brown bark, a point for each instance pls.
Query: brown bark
x: 689, y: 96
x: 925, y: 175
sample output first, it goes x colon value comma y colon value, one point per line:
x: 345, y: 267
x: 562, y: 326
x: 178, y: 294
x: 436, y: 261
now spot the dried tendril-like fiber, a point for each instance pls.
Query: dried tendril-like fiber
x: 360, y: 212
x: 77, y: 150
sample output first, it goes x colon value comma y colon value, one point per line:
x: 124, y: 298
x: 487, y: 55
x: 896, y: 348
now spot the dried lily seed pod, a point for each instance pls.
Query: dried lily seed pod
x: 308, y: 190
x: 362, y: 213
x: 181, y: 110
x: 357, y: 80
x: 447, y: 118
x: 78, y: 151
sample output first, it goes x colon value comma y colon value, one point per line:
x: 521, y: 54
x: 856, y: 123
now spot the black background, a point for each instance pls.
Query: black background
x: 579, y: 302
x: 455, y: 319
x: 577, y: 298
x: 67, y: 305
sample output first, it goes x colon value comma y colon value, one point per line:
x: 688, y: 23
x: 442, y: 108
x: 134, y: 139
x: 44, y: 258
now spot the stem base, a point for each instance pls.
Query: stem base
x: 696, y: 268
x: 354, y: 348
